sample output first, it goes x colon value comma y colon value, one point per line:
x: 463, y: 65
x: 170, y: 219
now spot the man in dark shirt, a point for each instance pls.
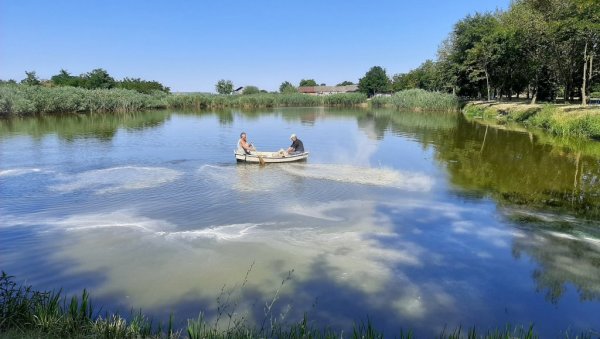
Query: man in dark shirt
x: 297, y: 146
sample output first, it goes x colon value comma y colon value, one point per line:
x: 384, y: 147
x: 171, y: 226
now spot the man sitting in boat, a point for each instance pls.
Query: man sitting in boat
x: 243, y: 146
x: 297, y: 146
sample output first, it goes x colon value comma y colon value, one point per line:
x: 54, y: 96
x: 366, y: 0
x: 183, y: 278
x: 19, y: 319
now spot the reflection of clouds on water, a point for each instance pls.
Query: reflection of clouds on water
x: 409, y: 181
x: 220, y: 254
x: 351, y: 244
x: 117, y: 179
x: 13, y: 172
x: 498, y: 237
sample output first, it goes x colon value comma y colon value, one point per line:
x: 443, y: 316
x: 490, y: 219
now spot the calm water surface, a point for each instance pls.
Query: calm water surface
x: 416, y: 220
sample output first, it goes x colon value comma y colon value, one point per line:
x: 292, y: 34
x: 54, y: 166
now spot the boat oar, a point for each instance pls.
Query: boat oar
x: 261, y: 160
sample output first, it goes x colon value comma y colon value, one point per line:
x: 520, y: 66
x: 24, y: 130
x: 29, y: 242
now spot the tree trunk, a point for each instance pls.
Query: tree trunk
x: 535, y: 90
x: 528, y: 89
x: 591, y: 64
x: 585, y: 75
x: 487, y: 83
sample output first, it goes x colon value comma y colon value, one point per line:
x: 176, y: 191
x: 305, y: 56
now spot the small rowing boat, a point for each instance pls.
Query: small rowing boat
x: 270, y: 157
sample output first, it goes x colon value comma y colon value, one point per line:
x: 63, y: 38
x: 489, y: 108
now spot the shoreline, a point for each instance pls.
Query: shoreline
x: 558, y: 120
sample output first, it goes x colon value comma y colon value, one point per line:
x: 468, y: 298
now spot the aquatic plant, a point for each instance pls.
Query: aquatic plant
x: 344, y: 99
x: 25, y: 100
x: 419, y: 99
x: 381, y: 101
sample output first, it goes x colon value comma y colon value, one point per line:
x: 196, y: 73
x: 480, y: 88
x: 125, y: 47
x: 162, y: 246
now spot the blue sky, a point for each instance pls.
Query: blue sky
x: 190, y: 45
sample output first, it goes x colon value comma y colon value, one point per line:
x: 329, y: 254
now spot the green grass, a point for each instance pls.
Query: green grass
x: 27, y: 313
x: 421, y: 100
x: 559, y: 120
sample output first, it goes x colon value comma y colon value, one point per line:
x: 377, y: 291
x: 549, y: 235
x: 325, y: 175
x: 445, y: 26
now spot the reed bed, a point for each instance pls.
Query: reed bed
x: 421, y: 100
x: 28, y: 313
x: 349, y: 99
x: 381, y: 101
x: 28, y: 100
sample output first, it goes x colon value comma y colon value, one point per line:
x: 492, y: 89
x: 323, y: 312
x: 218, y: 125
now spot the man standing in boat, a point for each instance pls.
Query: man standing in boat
x: 297, y: 146
x: 243, y: 145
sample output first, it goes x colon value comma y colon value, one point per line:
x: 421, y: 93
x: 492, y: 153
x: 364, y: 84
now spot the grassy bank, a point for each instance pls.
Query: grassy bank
x: 27, y: 313
x: 560, y: 120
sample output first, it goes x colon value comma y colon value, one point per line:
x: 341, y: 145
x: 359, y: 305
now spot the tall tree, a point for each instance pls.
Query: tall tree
x: 64, y: 78
x: 250, y: 90
x: 287, y: 87
x: 31, y: 79
x: 375, y: 81
x: 97, y: 79
x: 467, y: 33
x: 224, y: 86
x: 533, y: 32
x: 308, y: 82
x: 142, y: 86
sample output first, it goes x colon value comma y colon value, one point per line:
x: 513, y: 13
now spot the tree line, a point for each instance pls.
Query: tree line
x: 536, y: 49
x: 541, y: 49
x: 226, y: 86
x: 95, y: 79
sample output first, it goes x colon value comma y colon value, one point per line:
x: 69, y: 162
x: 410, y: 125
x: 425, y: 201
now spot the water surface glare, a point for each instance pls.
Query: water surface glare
x: 415, y: 220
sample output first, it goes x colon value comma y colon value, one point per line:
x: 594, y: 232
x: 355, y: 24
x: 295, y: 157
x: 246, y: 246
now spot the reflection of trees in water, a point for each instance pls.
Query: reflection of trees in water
x: 74, y: 126
x: 562, y: 260
x: 519, y: 169
x: 515, y: 168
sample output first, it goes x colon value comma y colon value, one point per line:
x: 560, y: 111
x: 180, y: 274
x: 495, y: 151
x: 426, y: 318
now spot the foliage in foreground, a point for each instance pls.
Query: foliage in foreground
x: 558, y: 120
x: 27, y: 313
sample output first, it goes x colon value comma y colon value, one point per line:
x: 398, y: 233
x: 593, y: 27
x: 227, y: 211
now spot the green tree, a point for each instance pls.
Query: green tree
x: 224, y: 86
x: 345, y: 83
x: 250, y: 90
x: 31, y: 79
x: 533, y: 31
x: 308, y: 82
x: 142, y: 86
x: 466, y: 34
x: 287, y: 87
x: 374, y: 81
x: 97, y: 78
x: 63, y: 78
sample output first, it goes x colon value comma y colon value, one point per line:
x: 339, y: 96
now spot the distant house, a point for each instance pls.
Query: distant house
x: 326, y: 90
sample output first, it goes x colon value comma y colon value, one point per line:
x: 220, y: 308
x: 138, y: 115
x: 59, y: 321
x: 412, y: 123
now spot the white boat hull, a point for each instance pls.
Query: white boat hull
x: 270, y: 157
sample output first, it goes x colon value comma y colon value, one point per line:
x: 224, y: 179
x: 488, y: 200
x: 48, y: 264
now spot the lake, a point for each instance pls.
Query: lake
x: 421, y: 221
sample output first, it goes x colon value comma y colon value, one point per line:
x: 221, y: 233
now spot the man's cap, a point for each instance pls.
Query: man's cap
x: 292, y: 136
